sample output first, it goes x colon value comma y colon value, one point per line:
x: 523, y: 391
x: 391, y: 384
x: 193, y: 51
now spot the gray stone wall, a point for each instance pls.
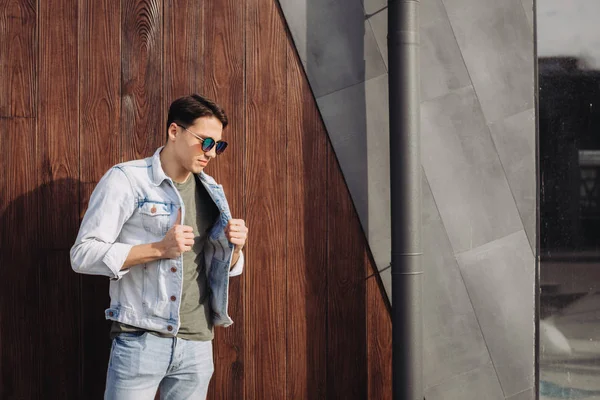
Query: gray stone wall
x: 478, y: 158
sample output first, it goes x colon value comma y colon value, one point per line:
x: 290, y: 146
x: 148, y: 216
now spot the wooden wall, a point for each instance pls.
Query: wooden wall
x: 85, y: 84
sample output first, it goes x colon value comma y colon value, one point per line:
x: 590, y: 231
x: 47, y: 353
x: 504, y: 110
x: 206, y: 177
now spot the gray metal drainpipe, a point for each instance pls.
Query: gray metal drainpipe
x: 405, y: 187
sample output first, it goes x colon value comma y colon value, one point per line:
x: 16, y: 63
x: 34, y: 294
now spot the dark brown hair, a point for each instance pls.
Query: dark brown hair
x: 185, y: 110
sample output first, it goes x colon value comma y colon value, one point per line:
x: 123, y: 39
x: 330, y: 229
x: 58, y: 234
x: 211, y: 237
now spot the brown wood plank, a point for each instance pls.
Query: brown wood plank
x: 58, y: 152
x: 142, y: 111
x: 184, y: 50
x: 223, y: 81
x: 307, y: 239
x: 58, y: 139
x: 95, y: 339
x: 379, y: 337
x: 18, y: 58
x: 60, y: 349
x: 347, y: 353
x: 5, y: 186
x: 100, y: 141
x: 183, y: 55
x: 19, y: 308
x: 265, y: 280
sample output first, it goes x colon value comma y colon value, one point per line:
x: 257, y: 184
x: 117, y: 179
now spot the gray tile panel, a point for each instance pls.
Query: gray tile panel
x: 295, y: 12
x: 453, y: 343
x: 432, y: 12
x: 375, y: 65
x: 356, y: 119
x: 529, y: 394
x: 528, y: 7
x: 477, y: 92
x: 500, y: 278
x: 514, y: 138
x: 379, y: 26
x: 464, y: 171
x: 479, y: 384
x: 386, y: 279
x: 334, y: 41
x: 497, y: 45
x: 372, y: 6
x: 441, y: 65
x: 378, y: 170
x: 344, y: 114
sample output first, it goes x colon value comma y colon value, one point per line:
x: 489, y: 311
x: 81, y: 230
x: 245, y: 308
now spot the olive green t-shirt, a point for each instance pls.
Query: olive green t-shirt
x: 194, y: 312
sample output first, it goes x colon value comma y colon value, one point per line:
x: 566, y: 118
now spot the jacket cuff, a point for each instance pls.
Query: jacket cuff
x: 238, y: 267
x: 115, y: 258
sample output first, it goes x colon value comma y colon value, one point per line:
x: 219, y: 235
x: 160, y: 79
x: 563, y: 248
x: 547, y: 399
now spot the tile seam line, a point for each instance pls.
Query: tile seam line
x: 385, y: 62
x: 521, y: 392
x: 362, y: 82
x: 488, y: 124
x: 444, y: 381
x: 479, y: 248
x: 489, y: 128
x: 504, y: 172
x: 462, y: 278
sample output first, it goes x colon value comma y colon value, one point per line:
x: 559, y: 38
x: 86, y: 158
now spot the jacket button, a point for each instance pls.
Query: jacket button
x: 111, y: 314
x: 153, y: 210
x: 173, y: 269
x: 173, y: 298
x: 169, y: 328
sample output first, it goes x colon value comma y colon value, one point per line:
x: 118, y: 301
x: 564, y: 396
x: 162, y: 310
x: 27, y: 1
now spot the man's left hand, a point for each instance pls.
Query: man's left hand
x: 237, y: 233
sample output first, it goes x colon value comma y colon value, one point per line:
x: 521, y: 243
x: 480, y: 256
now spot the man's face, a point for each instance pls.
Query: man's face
x: 188, y: 148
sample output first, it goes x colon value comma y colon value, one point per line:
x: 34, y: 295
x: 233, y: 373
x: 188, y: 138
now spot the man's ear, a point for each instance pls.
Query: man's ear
x: 172, y: 131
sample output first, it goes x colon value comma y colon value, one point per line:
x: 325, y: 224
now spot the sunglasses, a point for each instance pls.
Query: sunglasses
x: 207, y: 143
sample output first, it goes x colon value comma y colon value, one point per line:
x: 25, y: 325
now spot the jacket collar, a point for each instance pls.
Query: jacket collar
x: 158, y: 174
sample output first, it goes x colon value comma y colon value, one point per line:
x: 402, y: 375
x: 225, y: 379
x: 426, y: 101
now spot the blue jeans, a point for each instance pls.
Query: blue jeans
x: 141, y: 363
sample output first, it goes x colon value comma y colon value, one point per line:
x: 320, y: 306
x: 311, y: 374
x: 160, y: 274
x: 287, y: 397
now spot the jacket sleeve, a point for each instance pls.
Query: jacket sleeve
x: 238, y: 267
x: 96, y: 251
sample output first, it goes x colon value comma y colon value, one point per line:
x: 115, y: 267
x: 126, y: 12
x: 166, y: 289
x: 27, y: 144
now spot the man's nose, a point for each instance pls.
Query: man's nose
x: 212, y: 153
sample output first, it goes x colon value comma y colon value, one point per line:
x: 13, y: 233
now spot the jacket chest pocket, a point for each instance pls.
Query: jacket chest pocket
x: 155, y: 217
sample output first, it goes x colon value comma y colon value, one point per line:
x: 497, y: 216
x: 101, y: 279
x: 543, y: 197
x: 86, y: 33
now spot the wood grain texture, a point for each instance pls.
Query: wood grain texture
x: 100, y: 142
x: 307, y: 155
x: 183, y: 48
x: 346, y: 336
x: 223, y: 81
x: 60, y: 350
x: 18, y: 58
x: 19, y: 308
x: 265, y: 280
x: 142, y: 124
x: 58, y: 138
x: 308, y: 324
x: 58, y: 152
x: 95, y: 339
x: 379, y: 337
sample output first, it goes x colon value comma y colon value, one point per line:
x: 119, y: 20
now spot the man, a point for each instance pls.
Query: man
x: 169, y: 282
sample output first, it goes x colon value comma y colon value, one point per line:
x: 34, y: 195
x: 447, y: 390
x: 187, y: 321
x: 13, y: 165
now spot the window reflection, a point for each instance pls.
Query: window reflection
x: 569, y: 156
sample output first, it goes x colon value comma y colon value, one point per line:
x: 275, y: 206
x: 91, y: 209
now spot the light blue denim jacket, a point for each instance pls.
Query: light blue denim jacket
x: 136, y: 203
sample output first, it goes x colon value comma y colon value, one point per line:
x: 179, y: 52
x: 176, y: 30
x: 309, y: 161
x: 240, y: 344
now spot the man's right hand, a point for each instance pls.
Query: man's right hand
x: 179, y: 239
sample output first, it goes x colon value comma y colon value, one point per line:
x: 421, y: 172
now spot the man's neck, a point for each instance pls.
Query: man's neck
x: 171, y: 167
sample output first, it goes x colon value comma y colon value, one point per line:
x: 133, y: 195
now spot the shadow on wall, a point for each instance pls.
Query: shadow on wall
x: 49, y: 314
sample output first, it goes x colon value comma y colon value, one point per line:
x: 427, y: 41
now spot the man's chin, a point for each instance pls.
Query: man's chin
x: 196, y: 169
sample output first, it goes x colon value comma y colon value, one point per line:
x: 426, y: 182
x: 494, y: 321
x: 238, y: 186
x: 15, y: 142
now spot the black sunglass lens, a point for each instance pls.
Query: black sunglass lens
x: 221, y: 146
x: 208, y: 144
